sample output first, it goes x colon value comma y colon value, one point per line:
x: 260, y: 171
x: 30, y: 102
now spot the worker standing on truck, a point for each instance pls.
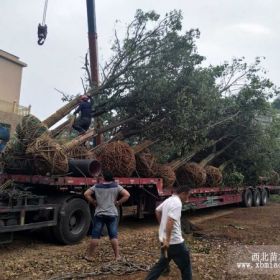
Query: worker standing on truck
x: 106, y: 213
x: 82, y: 123
x: 173, y: 245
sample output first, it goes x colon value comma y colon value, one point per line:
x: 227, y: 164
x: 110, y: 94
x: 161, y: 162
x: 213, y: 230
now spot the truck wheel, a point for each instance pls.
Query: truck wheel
x: 256, y: 198
x: 73, y: 221
x: 247, y: 198
x: 264, y: 197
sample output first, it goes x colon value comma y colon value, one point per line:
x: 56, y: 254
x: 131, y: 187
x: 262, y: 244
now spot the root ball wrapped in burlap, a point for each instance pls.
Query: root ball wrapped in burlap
x: 118, y: 158
x: 14, y: 147
x: 14, y: 159
x: 48, y: 155
x: 214, y: 176
x: 167, y: 174
x: 30, y: 128
x: 192, y: 175
x: 146, y: 164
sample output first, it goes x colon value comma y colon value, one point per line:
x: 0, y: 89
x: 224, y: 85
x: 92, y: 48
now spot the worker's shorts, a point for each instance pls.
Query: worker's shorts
x: 111, y: 223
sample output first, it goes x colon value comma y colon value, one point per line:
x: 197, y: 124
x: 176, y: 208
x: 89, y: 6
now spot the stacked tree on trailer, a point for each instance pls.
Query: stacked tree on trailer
x: 156, y: 76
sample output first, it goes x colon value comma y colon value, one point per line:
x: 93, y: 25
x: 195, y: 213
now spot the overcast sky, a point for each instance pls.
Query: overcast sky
x: 229, y: 28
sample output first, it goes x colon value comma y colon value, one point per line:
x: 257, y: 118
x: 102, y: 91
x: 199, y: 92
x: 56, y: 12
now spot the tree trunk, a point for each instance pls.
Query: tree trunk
x: 67, y: 124
x: 90, y: 134
x: 225, y: 164
x: 142, y: 146
x: 210, y: 157
x: 61, y: 113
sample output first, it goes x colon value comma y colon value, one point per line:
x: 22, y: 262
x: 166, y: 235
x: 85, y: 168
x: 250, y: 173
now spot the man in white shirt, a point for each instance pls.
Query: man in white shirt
x: 173, y: 246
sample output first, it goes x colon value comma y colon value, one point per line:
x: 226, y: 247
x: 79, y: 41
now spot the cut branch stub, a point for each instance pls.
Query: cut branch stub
x: 214, y: 176
x: 118, y: 158
x: 191, y: 174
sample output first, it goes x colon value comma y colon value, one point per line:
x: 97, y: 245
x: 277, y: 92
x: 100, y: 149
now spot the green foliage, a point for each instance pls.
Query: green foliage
x: 233, y: 179
x: 156, y: 75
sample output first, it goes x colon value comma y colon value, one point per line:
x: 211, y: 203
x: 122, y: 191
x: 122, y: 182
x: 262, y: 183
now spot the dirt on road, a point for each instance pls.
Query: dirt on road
x: 30, y: 257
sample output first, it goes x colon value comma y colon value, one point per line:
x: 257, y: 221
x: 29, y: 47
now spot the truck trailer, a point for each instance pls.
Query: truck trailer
x: 57, y: 205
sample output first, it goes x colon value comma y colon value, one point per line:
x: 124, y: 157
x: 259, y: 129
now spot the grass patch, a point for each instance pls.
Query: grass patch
x: 275, y: 198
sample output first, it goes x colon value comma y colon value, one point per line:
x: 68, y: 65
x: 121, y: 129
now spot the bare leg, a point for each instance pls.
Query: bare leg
x: 115, y: 246
x: 92, y: 248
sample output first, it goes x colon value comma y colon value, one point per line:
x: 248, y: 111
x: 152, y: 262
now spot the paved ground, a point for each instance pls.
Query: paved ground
x: 29, y: 257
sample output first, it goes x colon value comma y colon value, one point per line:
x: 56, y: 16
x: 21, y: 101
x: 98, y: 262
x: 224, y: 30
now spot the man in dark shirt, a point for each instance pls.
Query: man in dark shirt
x: 82, y: 123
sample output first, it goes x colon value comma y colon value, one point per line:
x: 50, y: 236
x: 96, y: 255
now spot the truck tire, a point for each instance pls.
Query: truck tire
x: 247, y: 198
x: 264, y: 197
x: 73, y: 221
x: 256, y: 198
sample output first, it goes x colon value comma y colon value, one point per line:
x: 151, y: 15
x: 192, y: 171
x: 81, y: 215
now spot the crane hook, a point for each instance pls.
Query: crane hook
x: 42, y: 28
x: 42, y: 34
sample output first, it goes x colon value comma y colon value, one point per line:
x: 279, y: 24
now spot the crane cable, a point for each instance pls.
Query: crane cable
x: 45, y: 12
x: 42, y: 28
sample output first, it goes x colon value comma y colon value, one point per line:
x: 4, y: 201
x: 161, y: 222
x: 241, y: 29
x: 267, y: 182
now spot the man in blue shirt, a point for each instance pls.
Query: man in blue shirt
x: 82, y: 123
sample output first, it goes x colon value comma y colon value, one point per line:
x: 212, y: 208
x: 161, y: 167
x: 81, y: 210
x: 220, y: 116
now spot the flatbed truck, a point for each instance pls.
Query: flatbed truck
x: 57, y: 205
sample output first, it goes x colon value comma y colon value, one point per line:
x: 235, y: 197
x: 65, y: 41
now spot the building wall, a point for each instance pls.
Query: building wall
x: 10, y: 82
x: 10, y: 77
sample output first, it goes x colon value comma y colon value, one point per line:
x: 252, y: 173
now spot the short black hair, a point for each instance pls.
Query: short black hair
x: 108, y: 176
x: 181, y: 189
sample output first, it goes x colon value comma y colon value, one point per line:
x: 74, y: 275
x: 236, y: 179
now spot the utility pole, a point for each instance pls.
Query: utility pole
x: 93, y: 54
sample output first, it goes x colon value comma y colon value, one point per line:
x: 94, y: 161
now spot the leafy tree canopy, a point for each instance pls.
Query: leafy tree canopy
x: 156, y: 75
